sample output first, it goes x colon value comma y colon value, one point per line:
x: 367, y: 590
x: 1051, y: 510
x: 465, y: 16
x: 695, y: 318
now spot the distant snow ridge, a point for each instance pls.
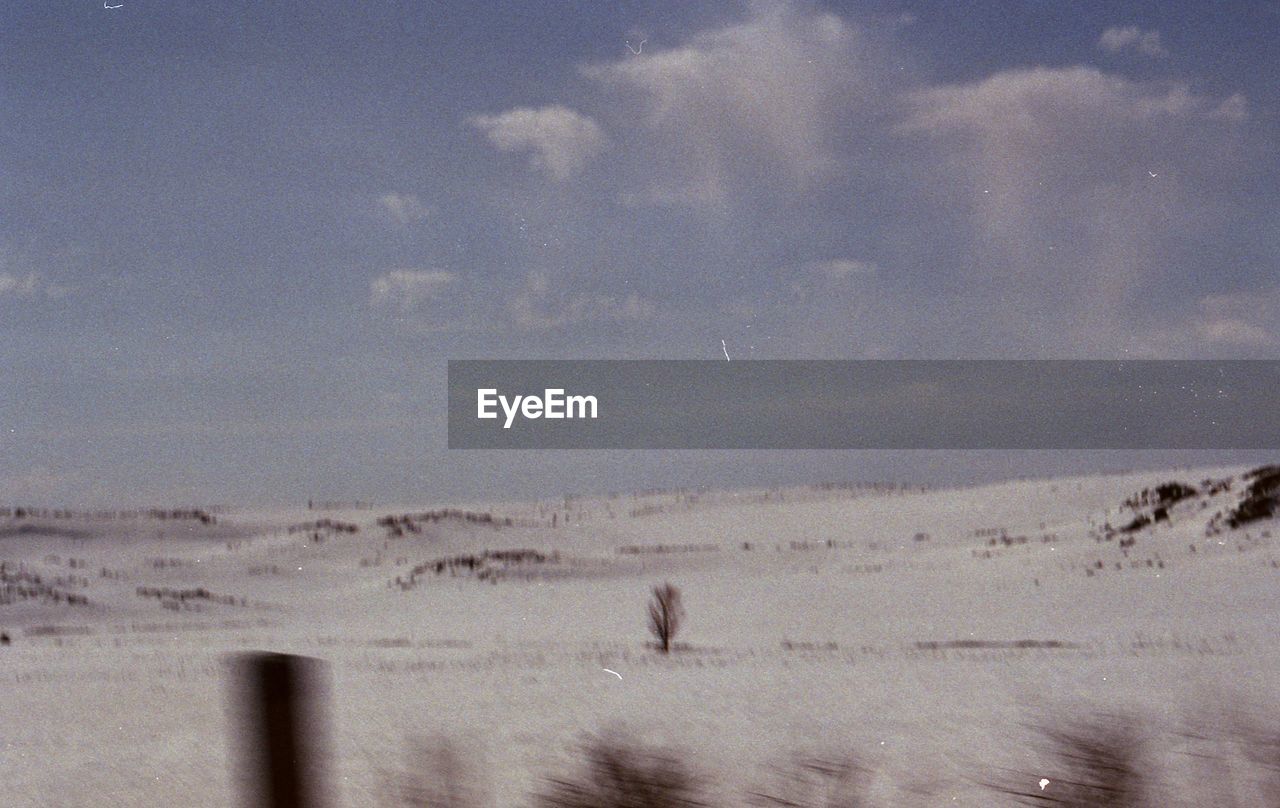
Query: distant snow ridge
x: 1259, y: 500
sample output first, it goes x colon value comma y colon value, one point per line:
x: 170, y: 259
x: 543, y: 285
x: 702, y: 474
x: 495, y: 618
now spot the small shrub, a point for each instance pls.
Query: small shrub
x: 1091, y: 762
x: 618, y: 774
x: 1259, y: 742
x: 438, y: 775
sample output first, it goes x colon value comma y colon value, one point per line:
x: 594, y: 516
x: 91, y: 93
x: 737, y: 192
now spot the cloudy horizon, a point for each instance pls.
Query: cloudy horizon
x: 239, y: 243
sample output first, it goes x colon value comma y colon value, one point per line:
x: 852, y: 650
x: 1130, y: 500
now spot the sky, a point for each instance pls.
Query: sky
x: 240, y: 240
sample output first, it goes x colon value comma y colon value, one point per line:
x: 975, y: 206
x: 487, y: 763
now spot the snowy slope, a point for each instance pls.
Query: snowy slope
x: 915, y: 629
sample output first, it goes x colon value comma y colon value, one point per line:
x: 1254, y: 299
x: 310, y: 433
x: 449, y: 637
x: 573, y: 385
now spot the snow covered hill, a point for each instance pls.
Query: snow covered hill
x: 917, y: 631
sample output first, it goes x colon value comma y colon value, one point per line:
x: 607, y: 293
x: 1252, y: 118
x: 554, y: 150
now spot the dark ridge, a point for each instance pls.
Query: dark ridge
x: 43, y: 531
x: 933, y: 645
x: 1261, y: 499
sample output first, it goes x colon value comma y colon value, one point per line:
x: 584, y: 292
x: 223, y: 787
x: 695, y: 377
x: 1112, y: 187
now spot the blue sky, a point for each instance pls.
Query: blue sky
x: 239, y: 240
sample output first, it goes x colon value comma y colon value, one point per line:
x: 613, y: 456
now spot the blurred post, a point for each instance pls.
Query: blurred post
x: 282, y: 734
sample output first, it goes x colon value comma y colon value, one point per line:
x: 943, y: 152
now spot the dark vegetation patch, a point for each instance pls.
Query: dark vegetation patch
x: 1162, y: 495
x: 1070, y: 758
x: 661, y: 549
x: 165, y: 563
x: 814, y: 781
x: 803, y: 645
x: 324, y: 526
x: 190, y: 599
x: 1261, y: 499
x: 935, y: 645
x: 44, y: 531
x: 487, y: 566
x: 1000, y: 537
x: 57, y: 631
x: 1211, y: 488
x: 617, y: 774
x: 412, y: 522
x: 1140, y: 521
x: 1089, y: 762
x: 200, y: 515
x: 19, y: 584
x: 1151, y: 505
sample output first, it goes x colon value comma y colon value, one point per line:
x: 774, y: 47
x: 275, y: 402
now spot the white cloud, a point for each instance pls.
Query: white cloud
x: 1239, y: 320
x: 1079, y: 187
x: 1131, y: 37
x: 1235, y: 332
x: 404, y: 208
x: 836, y: 269
x: 833, y: 291
x: 30, y: 286
x: 435, y: 301
x: 539, y: 307
x: 408, y: 290
x: 1233, y: 108
x: 1029, y: 104
x: 1078, y: 184
x: 762, y: 96
x: 25, y: 286
x: 561, y: 141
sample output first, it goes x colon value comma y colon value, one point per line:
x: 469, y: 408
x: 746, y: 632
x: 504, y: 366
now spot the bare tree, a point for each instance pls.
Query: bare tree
x: 665, y: 614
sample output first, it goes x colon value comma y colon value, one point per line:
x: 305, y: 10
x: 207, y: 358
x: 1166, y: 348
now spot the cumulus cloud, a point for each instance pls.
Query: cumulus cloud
x: 1053, y: 202
x: 25, y: 286
x: 752, y: 96
x: 559, y: 140
x: 1235, y: 332
x: 408, y: 290
x: 1029, y: 104
x: 1078, y: 182
x: 1131, y: 37
x: 537, y: 306
x: 1239, y: 320
x: 30, y: 286
x: 404, y: 208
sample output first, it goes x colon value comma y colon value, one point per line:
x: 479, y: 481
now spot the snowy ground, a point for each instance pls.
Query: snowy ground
x: 917, y: 631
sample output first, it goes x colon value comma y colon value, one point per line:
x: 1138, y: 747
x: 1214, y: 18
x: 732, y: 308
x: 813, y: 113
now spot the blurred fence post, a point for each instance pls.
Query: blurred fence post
x: 282, y: 733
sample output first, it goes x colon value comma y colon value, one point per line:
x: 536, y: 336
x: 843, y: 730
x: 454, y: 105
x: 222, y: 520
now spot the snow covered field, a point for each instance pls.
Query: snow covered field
x: 919, y: 632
